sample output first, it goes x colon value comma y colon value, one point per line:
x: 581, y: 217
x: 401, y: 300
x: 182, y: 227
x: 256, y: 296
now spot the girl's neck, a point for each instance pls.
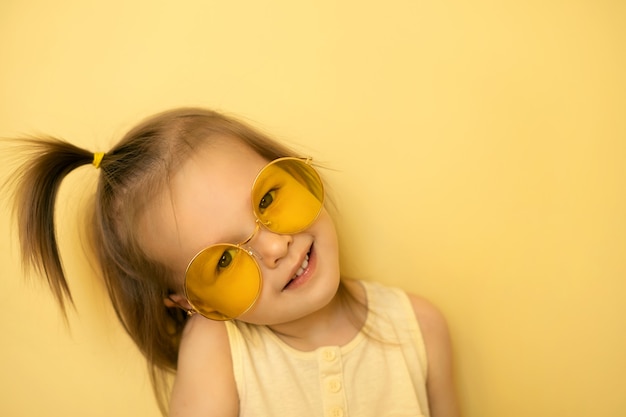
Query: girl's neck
x: 334, y: 325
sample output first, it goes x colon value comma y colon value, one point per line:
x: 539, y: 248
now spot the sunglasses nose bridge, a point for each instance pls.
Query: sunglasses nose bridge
x: 251, y: 251
x: 247, y: 246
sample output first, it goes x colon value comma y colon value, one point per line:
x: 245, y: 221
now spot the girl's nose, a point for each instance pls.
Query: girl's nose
x: 272, y: 247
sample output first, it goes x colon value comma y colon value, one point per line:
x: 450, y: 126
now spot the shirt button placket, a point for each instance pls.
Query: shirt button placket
x: 331, y: 382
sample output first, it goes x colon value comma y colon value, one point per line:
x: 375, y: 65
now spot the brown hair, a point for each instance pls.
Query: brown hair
x: 130, y: 173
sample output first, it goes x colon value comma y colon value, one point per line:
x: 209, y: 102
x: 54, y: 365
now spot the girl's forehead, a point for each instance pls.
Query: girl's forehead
x: 219, y: 166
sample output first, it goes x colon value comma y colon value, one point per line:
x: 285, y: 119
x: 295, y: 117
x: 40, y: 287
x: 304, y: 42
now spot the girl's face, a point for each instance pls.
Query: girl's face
x: 209, y: 202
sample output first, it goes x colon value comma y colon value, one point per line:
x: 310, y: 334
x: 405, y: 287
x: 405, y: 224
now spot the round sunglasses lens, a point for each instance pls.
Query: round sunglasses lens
x: 222, y: 282
x: 287, y: 195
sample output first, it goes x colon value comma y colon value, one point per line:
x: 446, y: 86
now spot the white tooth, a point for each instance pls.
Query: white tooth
x: 305, y: 263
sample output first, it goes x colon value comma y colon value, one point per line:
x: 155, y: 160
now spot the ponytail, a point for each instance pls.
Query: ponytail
x: 36, y: 185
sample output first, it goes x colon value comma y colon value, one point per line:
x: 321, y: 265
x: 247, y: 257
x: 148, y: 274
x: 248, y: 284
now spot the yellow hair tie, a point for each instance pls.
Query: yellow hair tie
x: 97, y: 159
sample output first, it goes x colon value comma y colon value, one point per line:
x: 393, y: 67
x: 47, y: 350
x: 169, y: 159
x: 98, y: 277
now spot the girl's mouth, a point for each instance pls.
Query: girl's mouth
x: 301, y: 274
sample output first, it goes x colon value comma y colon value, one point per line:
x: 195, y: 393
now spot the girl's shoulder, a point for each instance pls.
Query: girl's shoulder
x: 427, y: 314
x: 434, y: 329
x: 436, y: 338
x: 204, y: 383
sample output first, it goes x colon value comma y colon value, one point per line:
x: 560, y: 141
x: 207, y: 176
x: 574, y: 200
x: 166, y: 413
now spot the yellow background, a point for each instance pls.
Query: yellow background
x: 477, y: 154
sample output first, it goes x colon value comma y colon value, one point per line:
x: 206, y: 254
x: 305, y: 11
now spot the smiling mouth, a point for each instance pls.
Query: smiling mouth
x: 301, y: 270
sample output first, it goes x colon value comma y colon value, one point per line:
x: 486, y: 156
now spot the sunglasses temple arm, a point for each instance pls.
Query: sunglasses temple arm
x: 190, y: 311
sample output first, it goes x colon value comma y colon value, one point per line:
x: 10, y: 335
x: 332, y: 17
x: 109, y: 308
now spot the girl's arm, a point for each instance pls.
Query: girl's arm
x: 205, y: 384
x: 439, y: 382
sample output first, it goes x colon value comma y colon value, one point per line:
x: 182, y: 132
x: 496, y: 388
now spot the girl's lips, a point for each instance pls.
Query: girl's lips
x: 307, y: 272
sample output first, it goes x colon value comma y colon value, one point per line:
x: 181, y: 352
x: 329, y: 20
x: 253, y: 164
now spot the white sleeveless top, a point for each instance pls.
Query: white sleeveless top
x: 363, y: 378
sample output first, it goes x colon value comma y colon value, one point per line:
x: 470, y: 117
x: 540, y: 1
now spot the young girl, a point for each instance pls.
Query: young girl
x: 221, y: 262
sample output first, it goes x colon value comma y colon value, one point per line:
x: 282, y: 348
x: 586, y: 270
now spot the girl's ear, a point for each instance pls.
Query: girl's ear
x: 177, y: 301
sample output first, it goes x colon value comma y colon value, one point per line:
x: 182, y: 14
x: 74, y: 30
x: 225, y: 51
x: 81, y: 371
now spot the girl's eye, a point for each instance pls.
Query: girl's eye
x: 225, y: 260
x: 267, y: 200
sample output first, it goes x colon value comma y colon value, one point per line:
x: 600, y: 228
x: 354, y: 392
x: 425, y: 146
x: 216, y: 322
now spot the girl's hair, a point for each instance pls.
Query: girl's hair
x: 132, y: 172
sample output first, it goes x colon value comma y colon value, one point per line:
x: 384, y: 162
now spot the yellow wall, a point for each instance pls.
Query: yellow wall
x: 479, y: 148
